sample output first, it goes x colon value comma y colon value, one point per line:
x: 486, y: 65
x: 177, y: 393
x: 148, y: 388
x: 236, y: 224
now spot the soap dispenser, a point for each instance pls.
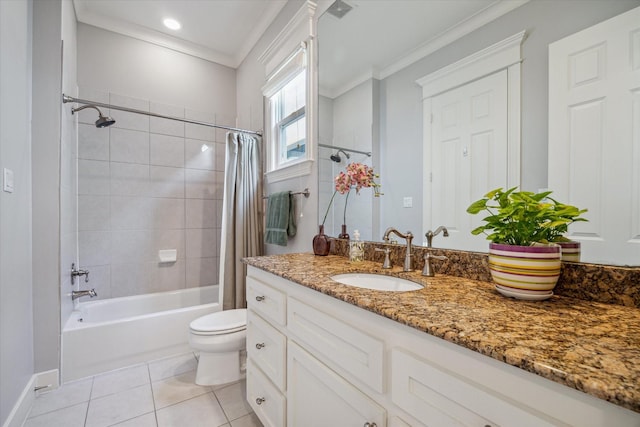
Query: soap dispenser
x: 356, y: 248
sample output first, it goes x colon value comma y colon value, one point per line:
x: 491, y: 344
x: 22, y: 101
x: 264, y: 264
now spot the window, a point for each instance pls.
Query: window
x: 288, y: 151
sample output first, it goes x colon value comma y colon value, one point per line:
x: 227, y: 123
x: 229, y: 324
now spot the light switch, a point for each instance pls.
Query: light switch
x: 407, y: 202
x: 7, y: 180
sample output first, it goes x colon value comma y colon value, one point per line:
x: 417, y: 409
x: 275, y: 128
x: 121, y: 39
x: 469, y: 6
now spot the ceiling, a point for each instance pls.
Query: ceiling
x: 222, y: 31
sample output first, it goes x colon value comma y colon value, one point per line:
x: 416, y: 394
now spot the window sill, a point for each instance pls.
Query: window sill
x: 291, y: 171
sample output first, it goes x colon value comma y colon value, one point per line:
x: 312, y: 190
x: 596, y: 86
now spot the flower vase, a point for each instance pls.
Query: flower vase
x: 344, y: 234
x: 321, y: 243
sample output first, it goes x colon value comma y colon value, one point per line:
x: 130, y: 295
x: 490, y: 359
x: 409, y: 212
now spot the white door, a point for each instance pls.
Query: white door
x: 594, y: 135
x: 319, y: 397
x: 468, y: 155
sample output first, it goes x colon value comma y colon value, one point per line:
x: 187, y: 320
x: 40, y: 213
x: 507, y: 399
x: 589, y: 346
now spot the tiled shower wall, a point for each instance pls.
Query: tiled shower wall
x: 147, y: 184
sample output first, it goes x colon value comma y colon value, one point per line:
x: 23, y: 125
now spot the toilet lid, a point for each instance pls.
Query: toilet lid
x: 221, y: 321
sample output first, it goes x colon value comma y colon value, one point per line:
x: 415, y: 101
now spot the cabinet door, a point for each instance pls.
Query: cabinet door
x: 265, y: 399
x: 266, y: 347
x: 319, y: 397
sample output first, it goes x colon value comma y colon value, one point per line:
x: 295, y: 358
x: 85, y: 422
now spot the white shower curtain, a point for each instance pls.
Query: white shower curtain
x: 242, y: 229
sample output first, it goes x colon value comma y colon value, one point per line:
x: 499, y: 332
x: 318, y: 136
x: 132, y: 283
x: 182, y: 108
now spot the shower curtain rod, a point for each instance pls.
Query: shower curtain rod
x: 367, y: 153
x: 66, y: 98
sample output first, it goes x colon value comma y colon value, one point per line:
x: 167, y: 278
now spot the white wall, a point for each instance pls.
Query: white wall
x: 250, y: 79
x: 401, y: 110
x: 16, y: 321
x: 144, y: 183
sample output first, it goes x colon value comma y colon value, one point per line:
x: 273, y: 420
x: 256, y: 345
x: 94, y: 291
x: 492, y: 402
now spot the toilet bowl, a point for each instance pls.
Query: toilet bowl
x: 221, y: 340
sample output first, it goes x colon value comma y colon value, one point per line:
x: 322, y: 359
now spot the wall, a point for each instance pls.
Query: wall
x: 251, y: 77
x: 147, y: 184
x: 16, y: 321
x: 401, y: 111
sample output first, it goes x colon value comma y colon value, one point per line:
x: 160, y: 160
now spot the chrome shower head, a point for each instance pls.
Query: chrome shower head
x: 102, y: 122
x: 336, y: 157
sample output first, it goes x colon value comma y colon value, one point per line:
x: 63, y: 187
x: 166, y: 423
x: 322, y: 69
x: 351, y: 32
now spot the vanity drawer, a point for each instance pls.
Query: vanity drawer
x: 269, y: 302
x: 438, y: 397
x: 335, y: 342
x: 266, y: 347
x: 265, y: 399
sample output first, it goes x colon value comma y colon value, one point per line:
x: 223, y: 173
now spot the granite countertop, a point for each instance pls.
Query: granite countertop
x: 592, y: 347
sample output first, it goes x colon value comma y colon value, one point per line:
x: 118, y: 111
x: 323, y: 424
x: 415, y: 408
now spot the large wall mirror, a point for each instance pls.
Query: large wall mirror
x: 371, y: 56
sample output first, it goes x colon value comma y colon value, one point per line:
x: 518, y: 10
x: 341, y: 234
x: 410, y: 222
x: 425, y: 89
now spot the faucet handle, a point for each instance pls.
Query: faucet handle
x: 427, y: 270
x: 387, y: 261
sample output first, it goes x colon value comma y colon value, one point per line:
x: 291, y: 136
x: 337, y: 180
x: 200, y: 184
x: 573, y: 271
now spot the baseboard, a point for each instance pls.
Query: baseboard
x: 45, y: 381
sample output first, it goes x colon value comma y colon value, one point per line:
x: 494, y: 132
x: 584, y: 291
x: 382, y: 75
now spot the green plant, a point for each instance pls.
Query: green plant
x: 523, y: 218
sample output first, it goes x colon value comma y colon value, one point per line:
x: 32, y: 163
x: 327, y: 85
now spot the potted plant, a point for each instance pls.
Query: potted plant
x: 524, y: 229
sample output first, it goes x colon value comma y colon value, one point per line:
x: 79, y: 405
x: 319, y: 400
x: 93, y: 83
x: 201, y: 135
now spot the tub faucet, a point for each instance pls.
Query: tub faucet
x: 77, y: 294
x: 75, y: 272
x: 408, y: 237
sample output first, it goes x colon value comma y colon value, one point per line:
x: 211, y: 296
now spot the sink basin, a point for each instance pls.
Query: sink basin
x: 377, y: 282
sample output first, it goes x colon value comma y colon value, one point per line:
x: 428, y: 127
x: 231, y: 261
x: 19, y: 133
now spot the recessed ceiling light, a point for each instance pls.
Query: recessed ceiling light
x: 172, y: 24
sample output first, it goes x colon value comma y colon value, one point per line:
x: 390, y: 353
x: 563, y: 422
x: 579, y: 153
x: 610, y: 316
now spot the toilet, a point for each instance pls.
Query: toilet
x: 221, y: 340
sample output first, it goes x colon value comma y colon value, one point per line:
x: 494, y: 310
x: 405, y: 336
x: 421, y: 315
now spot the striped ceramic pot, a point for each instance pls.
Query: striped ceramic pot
x: 534, y: 268
x: 570, y: 251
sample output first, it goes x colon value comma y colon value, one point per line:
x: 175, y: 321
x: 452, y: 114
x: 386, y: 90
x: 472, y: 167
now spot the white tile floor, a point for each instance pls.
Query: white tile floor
x: 160, y: 393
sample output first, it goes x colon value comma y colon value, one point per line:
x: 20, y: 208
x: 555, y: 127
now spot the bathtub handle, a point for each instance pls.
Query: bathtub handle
x: 260, y: 400
x: 259, y: 298
x: 259, y: 345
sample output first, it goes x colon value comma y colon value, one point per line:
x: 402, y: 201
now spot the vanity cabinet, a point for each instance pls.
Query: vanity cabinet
x: 314, y: 360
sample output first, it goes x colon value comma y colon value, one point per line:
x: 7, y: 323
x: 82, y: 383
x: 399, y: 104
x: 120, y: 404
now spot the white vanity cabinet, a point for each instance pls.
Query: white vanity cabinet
x: 324, y: 362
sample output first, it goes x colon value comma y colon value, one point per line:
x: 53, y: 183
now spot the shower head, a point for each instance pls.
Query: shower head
x: 336, y: 157
x: 102, y: 122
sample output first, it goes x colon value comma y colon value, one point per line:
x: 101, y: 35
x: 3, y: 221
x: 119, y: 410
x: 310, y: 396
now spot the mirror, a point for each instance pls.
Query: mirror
x: 369, y: 61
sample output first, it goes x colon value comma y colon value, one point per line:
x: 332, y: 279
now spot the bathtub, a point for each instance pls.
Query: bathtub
x: 114, y: 333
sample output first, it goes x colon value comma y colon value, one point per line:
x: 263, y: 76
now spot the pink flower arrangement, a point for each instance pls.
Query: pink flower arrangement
x: 357, y: 175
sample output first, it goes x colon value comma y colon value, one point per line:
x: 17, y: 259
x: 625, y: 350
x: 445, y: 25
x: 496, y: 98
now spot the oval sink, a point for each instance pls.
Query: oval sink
x: 377, y: 282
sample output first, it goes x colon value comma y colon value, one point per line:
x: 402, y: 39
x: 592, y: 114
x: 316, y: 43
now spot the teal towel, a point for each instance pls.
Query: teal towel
x: 281, y: 219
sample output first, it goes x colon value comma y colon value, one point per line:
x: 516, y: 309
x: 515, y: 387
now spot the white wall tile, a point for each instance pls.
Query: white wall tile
x: 199, y: 154
x: 201, y: 213
x: 168, y: 239
x: 129, y: 179
x: 166, y: 126
x: 168, y: 276
x: 99, y: 279
x: 131, y: 213
x: 218, y: 185
x: 201, y: 243
x: 200, y: 184
x: 224, y: 120
x: 167, y: 181
x: 126, y: 120
x: 130, y: 279
x: 168, y: 213
x: 219, y: 204
x: 219, y: 149
x: 94, y: 247
x: 130, y: 247
x: 201, y: 272
x: 193, y: 131
x: 93, y: 177
x: 129, y: 146
x: 93, y: 143
x: 167, y: 150
x: 94, y: 213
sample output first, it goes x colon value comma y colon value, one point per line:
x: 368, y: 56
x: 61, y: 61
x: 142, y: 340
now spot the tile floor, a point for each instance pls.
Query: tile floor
x: 160, y: 393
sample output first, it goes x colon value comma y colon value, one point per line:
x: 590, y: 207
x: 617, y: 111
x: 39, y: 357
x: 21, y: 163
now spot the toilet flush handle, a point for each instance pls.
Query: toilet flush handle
x: 259, y: 345
x: 259, y: 298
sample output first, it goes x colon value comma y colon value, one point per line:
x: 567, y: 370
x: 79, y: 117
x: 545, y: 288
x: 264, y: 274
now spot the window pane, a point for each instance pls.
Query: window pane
x: 293, y: 139
x: 293, y: 94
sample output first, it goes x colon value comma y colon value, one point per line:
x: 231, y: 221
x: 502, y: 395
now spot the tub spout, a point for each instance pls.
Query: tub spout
x: 77, y: 294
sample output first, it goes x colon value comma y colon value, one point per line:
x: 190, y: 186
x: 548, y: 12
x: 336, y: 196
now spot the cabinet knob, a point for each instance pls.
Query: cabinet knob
x: 368, y: 424
x: 260, y: 400
x: 259, y: 298
x: 259, y: 345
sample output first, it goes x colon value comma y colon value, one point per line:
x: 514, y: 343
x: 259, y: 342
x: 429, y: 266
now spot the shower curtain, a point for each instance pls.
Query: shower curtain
x: 242, y: 229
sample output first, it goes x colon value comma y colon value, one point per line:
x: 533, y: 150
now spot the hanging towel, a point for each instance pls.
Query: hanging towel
x: 281, y: 218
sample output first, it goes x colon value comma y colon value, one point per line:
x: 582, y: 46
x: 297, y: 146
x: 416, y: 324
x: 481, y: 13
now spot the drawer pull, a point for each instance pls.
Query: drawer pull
x: 259, y: 345
x: 259, y: 298
x: 260, y: 400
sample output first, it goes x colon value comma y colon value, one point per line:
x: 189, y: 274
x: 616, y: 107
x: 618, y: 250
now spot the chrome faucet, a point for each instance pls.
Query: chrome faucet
x: 408, y: 237
x: 77, y: 294
x: 75, y: 272
x: 427, y: 270
x: 431, y: 234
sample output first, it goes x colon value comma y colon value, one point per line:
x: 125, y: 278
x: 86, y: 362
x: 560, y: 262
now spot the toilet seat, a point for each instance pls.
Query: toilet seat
x: 220, y: 323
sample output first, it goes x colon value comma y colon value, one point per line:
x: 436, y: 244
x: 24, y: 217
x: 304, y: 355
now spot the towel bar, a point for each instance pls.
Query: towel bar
x: 304, y: 192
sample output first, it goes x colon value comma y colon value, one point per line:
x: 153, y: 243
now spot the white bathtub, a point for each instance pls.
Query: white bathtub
x: 109, y: 334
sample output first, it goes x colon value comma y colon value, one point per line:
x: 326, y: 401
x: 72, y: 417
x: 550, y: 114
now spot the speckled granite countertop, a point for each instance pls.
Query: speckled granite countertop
x: 589, y: 346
